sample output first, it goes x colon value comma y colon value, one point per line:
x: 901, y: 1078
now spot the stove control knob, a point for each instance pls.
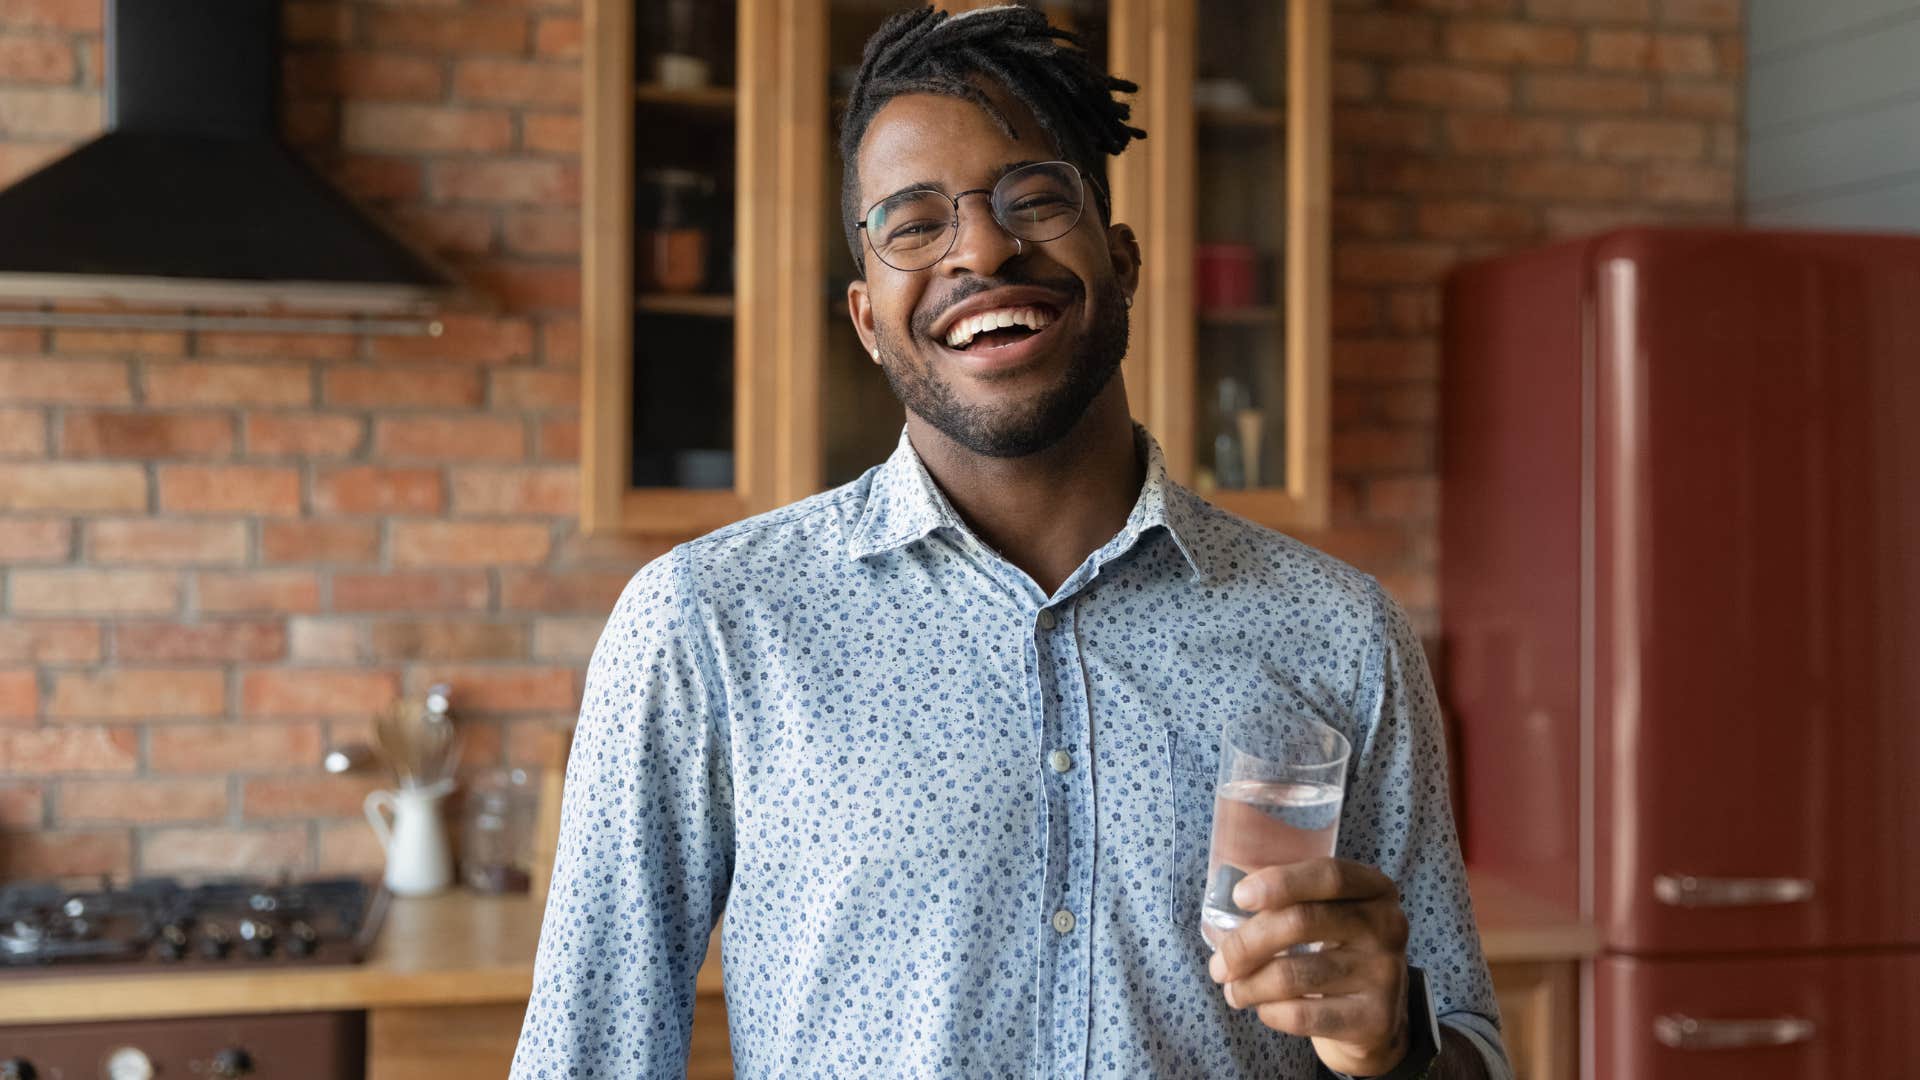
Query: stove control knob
x: 232, y: 1063
x: 18, y: 1069
x: 215, y: 942
x: 173, y: 942
x: 301, y: 939
x: 258, y: 935
x: 128, y: 1063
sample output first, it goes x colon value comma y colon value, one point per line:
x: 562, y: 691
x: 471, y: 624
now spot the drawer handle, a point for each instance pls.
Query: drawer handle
x: 1685, y: 1033
x: 1685, y: 890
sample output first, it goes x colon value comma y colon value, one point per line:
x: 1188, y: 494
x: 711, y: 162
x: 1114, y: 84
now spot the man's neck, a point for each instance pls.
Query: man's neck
x: 1045, y: 512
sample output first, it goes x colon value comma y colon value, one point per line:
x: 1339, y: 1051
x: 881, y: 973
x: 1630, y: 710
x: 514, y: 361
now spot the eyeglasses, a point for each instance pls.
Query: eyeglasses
x: 1035, y: 203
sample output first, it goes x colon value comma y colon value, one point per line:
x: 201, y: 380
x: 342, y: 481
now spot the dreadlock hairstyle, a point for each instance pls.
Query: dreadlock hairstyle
x: 1043, y: 66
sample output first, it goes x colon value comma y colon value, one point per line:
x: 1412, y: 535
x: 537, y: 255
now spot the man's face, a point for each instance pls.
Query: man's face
x: 1008, y: 393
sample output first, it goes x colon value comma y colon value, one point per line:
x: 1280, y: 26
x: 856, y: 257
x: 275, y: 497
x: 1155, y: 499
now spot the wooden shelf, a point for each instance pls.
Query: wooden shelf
x: 697, y: 305
x: 1247, y: 316
x: 1253, y: 117
x: 705, y: 99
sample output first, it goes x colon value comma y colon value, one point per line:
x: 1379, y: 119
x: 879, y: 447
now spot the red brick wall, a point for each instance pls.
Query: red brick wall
x: 222, y: 551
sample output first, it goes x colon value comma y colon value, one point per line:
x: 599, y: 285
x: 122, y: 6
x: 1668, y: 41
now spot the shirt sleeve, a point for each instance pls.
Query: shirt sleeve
x: 645, y: 853
x: 1401, y: 819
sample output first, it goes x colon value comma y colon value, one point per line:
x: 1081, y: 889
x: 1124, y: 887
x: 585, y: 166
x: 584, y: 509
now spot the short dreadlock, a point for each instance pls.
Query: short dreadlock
x: 1043, y: 66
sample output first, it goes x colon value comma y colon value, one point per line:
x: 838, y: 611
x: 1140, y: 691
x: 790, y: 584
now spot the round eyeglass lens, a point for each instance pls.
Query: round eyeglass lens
x: 1039, y: 202
x: 915, y: 229
x: 911, y: 230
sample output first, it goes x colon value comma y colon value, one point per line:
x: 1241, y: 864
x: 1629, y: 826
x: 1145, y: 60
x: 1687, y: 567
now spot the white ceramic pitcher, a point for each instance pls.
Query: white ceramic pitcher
x: 419, y: 858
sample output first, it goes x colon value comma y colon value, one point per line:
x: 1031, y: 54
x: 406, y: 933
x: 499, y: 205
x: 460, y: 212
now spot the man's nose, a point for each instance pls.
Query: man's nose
x: 982, y: 245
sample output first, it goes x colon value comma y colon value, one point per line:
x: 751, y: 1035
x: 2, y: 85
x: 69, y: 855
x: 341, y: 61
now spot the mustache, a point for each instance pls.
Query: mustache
x: 1068, y: 287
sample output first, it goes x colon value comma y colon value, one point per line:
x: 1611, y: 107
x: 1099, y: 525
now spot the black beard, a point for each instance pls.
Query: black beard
x: 1026, y: 427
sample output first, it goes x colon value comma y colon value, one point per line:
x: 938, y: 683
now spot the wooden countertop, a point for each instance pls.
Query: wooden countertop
x: 464, y: 949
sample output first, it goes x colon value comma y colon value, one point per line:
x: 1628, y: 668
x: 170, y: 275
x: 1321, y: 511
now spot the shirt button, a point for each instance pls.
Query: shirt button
x: 1048, y: 620
x: 1060, y: 760
x: 1063, y: 921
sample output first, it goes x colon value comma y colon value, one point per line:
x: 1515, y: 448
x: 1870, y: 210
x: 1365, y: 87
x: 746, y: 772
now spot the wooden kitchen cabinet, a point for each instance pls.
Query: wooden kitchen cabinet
x: 723, y: 384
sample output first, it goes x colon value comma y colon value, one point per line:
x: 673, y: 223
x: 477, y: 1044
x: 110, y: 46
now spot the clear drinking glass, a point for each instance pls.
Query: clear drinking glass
x: 1277, y: 801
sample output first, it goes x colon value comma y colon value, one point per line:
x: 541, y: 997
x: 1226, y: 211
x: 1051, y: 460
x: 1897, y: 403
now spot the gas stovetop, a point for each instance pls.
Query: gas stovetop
x: 160, y: 923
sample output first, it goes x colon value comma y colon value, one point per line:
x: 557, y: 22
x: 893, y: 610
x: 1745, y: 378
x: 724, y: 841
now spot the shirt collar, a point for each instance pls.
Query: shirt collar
x: 904, y: 505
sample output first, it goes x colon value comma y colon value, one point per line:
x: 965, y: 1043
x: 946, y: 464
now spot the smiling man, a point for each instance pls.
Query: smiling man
x: 942, y: 743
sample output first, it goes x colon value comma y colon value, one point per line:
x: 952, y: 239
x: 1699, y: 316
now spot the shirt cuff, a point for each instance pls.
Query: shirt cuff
x: 1485, y: 1038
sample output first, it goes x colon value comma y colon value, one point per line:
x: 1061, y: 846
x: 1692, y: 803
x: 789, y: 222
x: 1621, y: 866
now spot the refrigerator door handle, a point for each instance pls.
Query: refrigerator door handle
x: 1686, y: 1033
x: 1685, y: 890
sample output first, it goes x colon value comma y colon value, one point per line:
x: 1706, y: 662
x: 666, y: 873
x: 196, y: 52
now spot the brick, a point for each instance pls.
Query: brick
x: 1638, y: 50
x: 467, y: 339
x: 379, y: 176
x: 1449, y: 87
x: 22, y: 806
x: 266, y: 797
x: 266, y: 592
x: 450, y: 438
x: 403, y: 387
x: 1641, y: 140
x: 308, y: 541
x: 23, y: 433
x: 560, y: 342
x: 525, y: 286
x: 263, y: 346
x: 17, y: 160
x: 441, y: 543
x: 550, y: 133
x: 132, y: 694
x: 1379, y: 449
x: 1493, y: 133
x: 351, y: 848
x: 1587, y: 93
x: 450, y: 640
x: 1477, y: 220
x: 297, y: 692
x: 228, y: 383
x: 1418, y: 175
x: 1416, y: 310
x: 146, y: 435
x: 1623, y: 11
x: 517, y: 82
x: 25, y: 540
x: 1709, y: 101
x: 1403, y: 498
x: 19, y: 696
x: 1462, y: 7
x: 95, y: 592
x: 310, y: 125
x: 140, y: 802
x: 37, y: 60
x: 1355, y: 215
x: 171, y: 543
x: 1503, y: 42
x: 316, y: 23
x: 446, y: 230
x: 1678, y: 185
x: 566, y: 639
x: 367, y: 489
x: 535, y: 390
x: 1374, y: 262
x: 304, y: 435
x: 1731, y: 49
x: 326, y: 641
x: 1415, y: 404
x: 70, y: 487
x: 1712, y: 14
x: 52, y: 751
x: 63, y: 381
x: 47, y: 641
x: 212, y: 642
x: 51, y: 14
x: 1568, y: 180
x: 229, y: 489
x: 221, y: 748
x: 1354, y: 80
x: 425, y: 128
x: 505, y: 689
x: 58, y: 853
x: 559, y: 439
x: 1378, y: 125
x: 1369, y: 547
x: 552, y: 491
x: 584, y: 591
x: 1384, y: 33
x: 411, y: 591
x: 1355, y: 311
x: 536, y: 182
x: 49, y: 113
x: 538, y: 232
x: 1386, y: 359
x: 364, y: 76
x: 612, y: 551
x: 1414, y: 590
x: 254, y: 851
x: 533, y: 744
x: 137, y: 343
x: 557, y: 37
x: 448, y: 32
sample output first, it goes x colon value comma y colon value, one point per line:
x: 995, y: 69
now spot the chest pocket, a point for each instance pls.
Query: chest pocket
x: 1193, y: 768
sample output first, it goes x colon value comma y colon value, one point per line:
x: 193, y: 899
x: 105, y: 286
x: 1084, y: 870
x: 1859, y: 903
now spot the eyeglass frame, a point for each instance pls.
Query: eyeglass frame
x: 1080, y: 174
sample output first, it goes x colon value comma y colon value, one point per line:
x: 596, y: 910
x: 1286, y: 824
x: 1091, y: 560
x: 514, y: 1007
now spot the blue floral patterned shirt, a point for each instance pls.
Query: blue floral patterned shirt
x: 959, y: 827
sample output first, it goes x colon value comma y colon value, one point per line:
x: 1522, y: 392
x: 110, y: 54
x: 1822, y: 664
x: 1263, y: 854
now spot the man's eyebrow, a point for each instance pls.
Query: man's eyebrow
x: 935, y: 185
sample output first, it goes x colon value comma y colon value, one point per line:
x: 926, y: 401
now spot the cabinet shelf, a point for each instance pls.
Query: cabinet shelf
x: 1254, y: 117
x: 699, y: 305
x: 709, y: 99
x: 1266, y: 315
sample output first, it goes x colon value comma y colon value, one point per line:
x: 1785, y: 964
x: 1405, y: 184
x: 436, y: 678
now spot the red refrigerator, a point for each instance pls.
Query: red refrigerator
x: 1680, y: 552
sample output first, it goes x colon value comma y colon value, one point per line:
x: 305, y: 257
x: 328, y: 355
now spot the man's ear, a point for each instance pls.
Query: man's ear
x: 860, y: 310
x: 1123, y: 249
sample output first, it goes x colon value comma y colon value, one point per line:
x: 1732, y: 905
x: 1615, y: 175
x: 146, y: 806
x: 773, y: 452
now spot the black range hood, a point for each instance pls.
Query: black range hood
x: 191, y: 197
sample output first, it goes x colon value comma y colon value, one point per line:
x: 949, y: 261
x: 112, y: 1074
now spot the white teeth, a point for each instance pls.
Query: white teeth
x: 963, y: 332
